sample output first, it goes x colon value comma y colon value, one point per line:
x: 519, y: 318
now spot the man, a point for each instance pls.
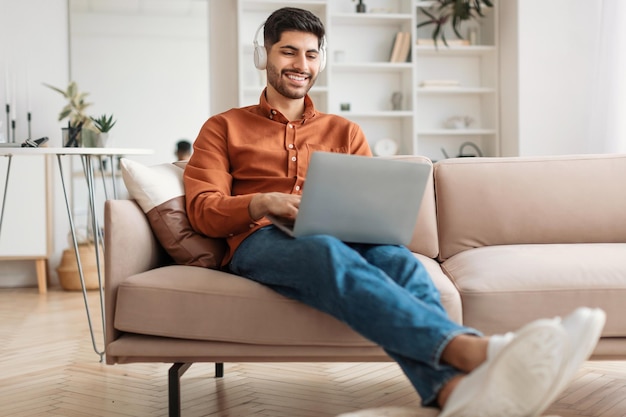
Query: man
x: 251, y: 162
x: 183, y: 150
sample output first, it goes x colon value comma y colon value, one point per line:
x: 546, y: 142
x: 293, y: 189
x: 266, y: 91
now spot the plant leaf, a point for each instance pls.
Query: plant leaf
x: 58, y: 90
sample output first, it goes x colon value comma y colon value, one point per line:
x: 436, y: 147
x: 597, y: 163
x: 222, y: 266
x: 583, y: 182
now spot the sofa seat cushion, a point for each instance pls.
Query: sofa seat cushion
x: 504, y: 287
x: 196, y: 303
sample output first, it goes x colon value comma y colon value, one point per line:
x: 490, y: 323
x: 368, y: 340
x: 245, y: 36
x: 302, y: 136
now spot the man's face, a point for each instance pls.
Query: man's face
x: 293, y: 64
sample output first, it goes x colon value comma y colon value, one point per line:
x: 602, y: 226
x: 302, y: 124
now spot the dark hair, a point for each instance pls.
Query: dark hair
x: 291, y: 19
x: 183, y: 146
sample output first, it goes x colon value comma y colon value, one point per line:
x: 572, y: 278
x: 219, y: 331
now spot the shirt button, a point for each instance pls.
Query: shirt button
x: 271, y: 117
x: 290, y: 126
x: 273, y: 111
x: 231, y: 234
x: 290, y: 146
x: 297, y: 188
x: 251, y: 225
x: 293, y: 158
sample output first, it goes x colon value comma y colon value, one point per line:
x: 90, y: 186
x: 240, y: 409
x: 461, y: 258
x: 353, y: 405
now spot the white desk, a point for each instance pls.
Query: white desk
x: 86, y: 156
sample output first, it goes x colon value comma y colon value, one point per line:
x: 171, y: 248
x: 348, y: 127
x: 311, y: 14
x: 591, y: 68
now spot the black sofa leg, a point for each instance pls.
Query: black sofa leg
x: 176, y: 371
x: 173, y: 380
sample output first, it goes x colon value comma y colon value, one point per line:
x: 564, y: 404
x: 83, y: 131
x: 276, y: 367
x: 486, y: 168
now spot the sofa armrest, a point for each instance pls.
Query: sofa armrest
x: 130, y: 248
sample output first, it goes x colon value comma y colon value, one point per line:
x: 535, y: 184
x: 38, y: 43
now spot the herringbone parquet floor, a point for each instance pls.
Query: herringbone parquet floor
x: 48, y: 368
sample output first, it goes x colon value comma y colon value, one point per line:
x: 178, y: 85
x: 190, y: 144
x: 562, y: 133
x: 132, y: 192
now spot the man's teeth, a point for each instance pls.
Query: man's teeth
x: 296, y: 77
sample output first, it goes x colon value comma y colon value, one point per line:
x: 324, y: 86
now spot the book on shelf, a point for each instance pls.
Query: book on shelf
x: 395, y: 49
x: 401, y: 47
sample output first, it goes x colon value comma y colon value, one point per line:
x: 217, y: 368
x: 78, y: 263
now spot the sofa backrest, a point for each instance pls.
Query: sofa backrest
x: 425, y: 240
x: 525, y: 200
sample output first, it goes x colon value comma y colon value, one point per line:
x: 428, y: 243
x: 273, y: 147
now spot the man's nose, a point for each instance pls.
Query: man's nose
x: 301, y: 62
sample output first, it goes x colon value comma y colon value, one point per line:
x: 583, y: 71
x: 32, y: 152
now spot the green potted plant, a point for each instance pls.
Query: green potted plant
x: 452, y: 12
x: 74, y: 111
x: 103, y: 123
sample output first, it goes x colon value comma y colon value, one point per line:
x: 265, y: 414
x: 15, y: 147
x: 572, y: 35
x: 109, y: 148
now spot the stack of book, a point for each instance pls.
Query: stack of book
x: 401, y: 47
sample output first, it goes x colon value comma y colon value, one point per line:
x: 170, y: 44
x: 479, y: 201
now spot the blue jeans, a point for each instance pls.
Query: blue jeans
x: 381, y: 291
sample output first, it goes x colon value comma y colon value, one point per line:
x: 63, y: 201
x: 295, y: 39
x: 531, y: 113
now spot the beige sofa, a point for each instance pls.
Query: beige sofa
x: 506, y: 240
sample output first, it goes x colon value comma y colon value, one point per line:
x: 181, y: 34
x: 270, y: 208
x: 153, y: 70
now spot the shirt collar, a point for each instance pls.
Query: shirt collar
x: 268, y: 111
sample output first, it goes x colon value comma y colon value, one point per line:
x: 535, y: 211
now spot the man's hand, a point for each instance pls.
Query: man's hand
x: 277, y: 204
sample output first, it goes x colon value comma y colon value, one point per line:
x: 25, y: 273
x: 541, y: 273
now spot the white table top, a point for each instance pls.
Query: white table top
x: 74, y: 151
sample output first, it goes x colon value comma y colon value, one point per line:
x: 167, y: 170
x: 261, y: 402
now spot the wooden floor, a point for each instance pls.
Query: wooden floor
x: 48, y: 368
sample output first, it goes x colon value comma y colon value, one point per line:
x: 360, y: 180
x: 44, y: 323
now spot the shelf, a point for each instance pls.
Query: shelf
x: 457, y: 132
x: 454, y: 50
x: 379, y: 114
x: 271, y: 5
x: 373, y: 66
x: 455, y: 90
x: 370, y: 18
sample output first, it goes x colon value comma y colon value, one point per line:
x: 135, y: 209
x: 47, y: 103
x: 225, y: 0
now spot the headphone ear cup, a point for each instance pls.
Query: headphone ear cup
x: 260, y: 57
x: 322, y: 59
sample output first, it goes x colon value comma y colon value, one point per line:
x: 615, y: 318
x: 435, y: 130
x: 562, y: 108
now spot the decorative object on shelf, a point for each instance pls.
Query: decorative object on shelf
x: 344, y: 106
x: 360, y: 8
x: 454, y: 12
x: 472, y: 36
x: 104, y: 124
x: 458, y: 122
x: 385, y: 147
x: 462, y: 153
x: 74, y: 110
x: 396, y: 100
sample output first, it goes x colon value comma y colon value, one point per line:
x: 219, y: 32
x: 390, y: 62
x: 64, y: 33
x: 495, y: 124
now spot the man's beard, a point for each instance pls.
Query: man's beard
x: 274, y: 78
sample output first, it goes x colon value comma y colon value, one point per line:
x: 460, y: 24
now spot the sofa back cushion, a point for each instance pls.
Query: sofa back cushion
x: 424, y: 239
x: 525, y: 200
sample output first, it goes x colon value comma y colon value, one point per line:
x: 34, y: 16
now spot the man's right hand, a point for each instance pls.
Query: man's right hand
x: 277, y: 204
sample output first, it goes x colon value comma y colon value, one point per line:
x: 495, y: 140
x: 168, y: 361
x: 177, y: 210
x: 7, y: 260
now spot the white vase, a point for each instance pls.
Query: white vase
x: 103, y: 138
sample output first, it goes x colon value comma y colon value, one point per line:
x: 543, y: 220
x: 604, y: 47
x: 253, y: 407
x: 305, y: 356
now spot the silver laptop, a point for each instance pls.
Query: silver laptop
x: 360, y: 199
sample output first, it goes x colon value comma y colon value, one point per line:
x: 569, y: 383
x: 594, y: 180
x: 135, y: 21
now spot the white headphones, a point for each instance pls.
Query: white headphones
x: 260, y: 53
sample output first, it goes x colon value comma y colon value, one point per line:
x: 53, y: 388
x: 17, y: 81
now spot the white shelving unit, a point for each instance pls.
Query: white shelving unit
x: 474, y: 68
x: 359, y: 74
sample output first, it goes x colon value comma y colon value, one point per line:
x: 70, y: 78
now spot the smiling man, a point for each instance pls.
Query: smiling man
x: 251, y: 162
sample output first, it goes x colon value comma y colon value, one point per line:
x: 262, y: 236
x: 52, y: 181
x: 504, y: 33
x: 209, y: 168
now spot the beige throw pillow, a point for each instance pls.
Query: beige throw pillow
x: 160, y: 193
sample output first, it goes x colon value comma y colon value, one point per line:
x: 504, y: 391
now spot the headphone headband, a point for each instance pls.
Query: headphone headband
x: 260, y: 53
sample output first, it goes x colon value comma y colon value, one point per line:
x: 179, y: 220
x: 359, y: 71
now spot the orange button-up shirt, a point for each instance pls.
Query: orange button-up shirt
x: 252, y: 150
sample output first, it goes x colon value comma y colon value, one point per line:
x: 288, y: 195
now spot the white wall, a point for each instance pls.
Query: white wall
x: 33, y: 39
x: 548, y: 55
x: 146, y: 64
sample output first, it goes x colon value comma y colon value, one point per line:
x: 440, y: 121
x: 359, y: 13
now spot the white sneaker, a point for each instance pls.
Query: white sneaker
x: 583, y: 328
x: 514, y: 382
